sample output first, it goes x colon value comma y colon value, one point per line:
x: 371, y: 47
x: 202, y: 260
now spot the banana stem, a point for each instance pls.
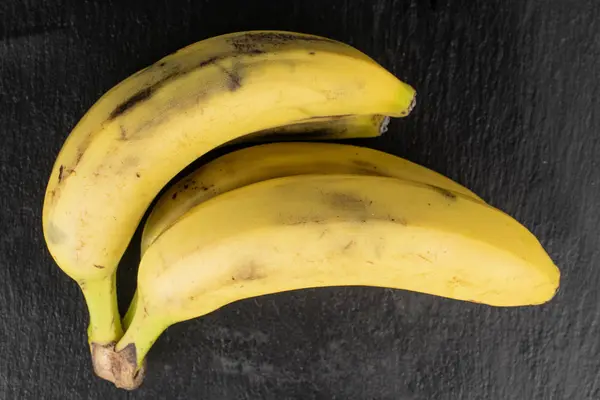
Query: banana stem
x: 142, y: 332
x: 105, y: 321
x: 124, y: 363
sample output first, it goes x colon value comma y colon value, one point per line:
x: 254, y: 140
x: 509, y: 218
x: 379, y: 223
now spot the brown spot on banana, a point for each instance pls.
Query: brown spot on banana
x: 421, y: 256
x: 364, y: 164
x: 61, y: 170
x: 128, y: 163
x: 301, y: 220
x: 251, y: 40
x: 234, y: 79
x: 345, y: 201
x: 367, y: 168
x: 187, y: 184
x: 398, y: 220
x: 143, y: 95
x: 323, y: 118
x: 249, y: 271
x: 81, y: 150
x: 444, y: 192
x: 132, y: 101
x: 64, y: 173
x: 123, y: 133
x: 254, y: 43
x: 210, y: 61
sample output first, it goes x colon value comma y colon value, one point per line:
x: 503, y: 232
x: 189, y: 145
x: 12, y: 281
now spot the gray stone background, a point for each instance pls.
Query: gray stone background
x: 509, y: 105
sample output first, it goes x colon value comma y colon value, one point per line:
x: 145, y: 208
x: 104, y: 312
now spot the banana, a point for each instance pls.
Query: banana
x: 330, y: 230
x: 259, y: 163
x: 146, y: 129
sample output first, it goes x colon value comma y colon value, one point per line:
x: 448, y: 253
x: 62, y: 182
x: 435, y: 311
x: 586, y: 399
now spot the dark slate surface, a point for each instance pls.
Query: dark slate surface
x: 509, y: 105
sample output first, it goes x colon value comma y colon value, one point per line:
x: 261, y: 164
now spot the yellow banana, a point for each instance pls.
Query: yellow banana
x: 259, y: 163
x: 149, y: 127
x: 330, y: 230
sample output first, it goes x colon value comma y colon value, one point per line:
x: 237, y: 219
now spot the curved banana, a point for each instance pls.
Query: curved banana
x: 258, y: 163
x: 149, y: 127
x: 330, y: 230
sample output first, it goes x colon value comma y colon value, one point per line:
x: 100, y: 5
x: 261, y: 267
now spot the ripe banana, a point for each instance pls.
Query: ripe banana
x: 258, y: 163
x: 330, y: 230
x: 149, y: 127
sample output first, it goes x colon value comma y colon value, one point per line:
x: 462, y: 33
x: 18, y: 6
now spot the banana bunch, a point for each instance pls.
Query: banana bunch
x: 272, y: 217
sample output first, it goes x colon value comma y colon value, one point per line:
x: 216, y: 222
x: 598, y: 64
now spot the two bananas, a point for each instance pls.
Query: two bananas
x: 272, y: 217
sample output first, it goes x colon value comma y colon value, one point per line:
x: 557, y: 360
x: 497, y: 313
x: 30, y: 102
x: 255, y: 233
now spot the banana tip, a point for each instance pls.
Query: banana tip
x: 413, y: 104
x: 383, y: 128
x: 118, y: 367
